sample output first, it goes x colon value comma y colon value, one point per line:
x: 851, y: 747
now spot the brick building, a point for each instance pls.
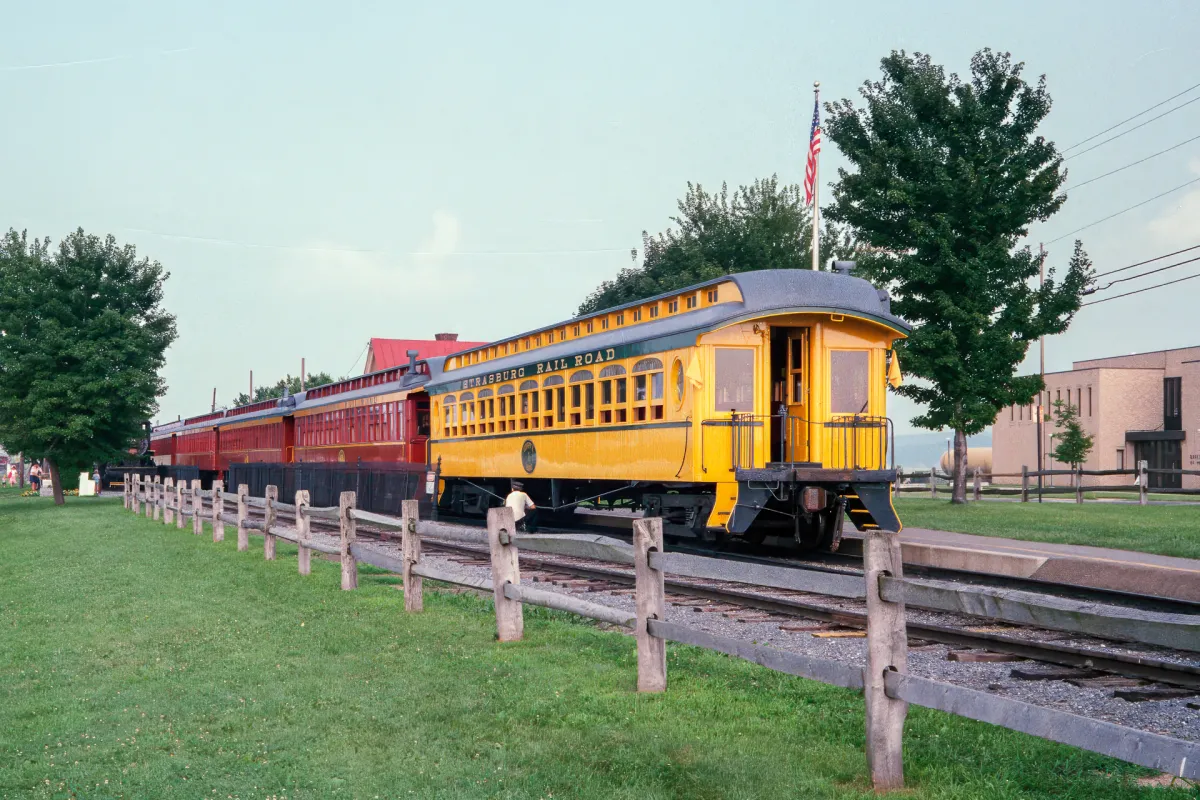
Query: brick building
x: 1137, y: 407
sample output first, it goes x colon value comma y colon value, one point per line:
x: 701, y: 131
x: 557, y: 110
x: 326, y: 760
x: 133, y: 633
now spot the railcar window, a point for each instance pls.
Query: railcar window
x: 548, y: 402
x: 606, y: 395
x: 849, y: 381
x: 654, y: 311
x: 622, y: 412
x: 621, y: 318
x: 677, y: 374
x: 589, y: 326
x: 561, y: 393
x: 672, y: 306
x: 575, y: 332
x: 639, y: 389
x: 637, y: 315
x: 604, y: 323
x: 712, y: 295
x: 589, y: 394
x: 553, y: 380
x: 647, y: 365
x: 734, y: 384
x: 691, y: 301
x: 576, y: 401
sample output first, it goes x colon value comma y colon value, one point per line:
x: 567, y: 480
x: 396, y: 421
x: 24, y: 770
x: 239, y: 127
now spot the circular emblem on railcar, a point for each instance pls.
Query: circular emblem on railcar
x: 528, y: 456
x: 341, y: 456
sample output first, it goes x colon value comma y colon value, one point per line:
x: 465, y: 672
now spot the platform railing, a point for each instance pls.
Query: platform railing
x: 852, y: 442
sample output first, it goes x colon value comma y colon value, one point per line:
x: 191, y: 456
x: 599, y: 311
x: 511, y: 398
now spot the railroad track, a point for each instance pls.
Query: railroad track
x: 1135, y: 675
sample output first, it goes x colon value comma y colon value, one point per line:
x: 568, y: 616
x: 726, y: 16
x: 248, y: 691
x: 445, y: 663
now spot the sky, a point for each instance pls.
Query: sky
x: 315, y: 174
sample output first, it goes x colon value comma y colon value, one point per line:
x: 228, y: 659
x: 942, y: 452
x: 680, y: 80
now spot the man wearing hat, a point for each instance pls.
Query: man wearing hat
x: 524, y: 510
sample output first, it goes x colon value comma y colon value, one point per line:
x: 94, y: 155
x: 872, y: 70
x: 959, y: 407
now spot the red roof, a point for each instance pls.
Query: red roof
x: 388, y: 353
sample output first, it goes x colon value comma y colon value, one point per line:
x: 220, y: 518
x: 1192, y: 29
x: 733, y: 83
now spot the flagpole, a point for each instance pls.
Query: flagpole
x: 816, y: 231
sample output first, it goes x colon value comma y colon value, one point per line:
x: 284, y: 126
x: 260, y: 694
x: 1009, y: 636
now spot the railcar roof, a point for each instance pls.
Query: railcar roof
x: 407, y: 382
x: 764, y: 292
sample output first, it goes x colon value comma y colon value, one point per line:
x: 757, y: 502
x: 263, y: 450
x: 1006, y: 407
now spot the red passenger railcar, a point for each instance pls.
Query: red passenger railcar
x: 256, y: 433
x: 196, y: 442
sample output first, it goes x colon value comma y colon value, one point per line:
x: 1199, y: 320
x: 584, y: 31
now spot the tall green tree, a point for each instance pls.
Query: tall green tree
x: 289, y: 382
x: 82, y: 339
x: 1073, y: 445
x: 947, y: 177
x: 761, y: 226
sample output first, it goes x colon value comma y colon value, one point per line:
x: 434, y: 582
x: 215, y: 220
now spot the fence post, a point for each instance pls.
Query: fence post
x: 168, y: 495
x: 510, y: 620
x: 1079, y: 485
x: 651, y: 602
x: 243, y: 511
x: 125, y: 486
x: 414, y: 595
x: 304, y: 555
x: 933, y: 483
x: 218, y: 508
x: 1024, y: 484
x: 977, y: 486
x: 197, y: 508
x: 149, y: 497
x: 180, y: 490
x: 349, y: 531
x: 157, y: 497
x: 896, y: 485
x: 887, y: 650
x: 1143, y: 482
x: 268, y: 522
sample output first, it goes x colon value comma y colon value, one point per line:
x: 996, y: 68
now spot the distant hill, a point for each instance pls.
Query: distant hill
x: 924, y: 450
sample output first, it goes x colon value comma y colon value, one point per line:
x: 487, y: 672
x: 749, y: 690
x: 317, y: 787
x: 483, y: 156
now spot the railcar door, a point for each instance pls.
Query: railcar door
x: 854, y: 437
x: 790, y: 395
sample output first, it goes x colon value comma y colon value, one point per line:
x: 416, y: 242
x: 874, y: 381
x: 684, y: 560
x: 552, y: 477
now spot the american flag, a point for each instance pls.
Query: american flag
x: 814, y: 148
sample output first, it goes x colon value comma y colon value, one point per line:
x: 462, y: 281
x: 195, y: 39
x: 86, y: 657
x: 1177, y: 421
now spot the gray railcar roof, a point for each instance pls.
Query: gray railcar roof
x: 763, y: 292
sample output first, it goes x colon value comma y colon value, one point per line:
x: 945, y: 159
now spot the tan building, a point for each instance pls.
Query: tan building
x: 1137, y: 407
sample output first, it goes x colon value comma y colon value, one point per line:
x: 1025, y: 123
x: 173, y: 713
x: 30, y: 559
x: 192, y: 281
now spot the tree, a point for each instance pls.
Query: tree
x: 760, y: 226
x: 949, y: 175
x: 1073, y: 444
x: 290, y: 382
x: 82, y: 338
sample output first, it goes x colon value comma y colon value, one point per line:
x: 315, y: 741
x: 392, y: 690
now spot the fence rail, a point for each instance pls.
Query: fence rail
x: 887, y: 686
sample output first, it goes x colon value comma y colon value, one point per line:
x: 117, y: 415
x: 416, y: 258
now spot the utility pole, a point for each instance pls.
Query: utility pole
x: 214, y: 402
x: 1041, y: 371
x: 302, y: 374
x: 251, y: 386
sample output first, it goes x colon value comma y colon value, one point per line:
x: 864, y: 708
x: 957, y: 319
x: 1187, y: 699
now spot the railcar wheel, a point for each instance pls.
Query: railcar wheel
x: 810, y: 530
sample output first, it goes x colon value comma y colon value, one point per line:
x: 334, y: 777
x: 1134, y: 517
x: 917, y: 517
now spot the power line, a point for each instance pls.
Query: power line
x: 1131, y: 119
x: 1139, y: 291
x: 1124, y: 210
x: 357, y: 357
x: 1144, y: 274
x: 1134, y: 164
x: 1134, y: 128
x: 1147, y: 261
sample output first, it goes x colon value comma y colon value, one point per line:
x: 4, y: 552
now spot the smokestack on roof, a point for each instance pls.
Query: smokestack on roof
x: 445, y: 337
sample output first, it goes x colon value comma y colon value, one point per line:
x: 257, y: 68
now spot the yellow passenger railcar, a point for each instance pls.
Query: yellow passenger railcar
x: 747, y: 405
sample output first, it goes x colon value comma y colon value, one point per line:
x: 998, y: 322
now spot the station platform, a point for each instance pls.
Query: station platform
x: 1079, y: 565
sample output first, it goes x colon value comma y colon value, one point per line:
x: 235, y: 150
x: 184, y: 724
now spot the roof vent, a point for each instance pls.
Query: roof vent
x: 445, y: 337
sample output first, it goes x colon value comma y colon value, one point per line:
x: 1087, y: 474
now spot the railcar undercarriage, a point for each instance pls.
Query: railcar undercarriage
x: 810, y: 509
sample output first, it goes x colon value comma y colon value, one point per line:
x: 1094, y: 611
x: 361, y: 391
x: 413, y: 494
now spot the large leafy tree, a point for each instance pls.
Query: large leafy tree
x: 289, y: 382
x: 761, y: 226
x: 947, y: 177
x: 82, y: 339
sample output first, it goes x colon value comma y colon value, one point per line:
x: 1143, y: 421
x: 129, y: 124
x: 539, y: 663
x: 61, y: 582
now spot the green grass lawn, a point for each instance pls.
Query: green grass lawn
x: 1166, y: 530
x: 140, y: 661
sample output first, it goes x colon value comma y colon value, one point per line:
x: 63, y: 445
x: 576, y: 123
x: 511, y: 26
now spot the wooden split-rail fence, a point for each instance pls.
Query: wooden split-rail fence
x: 887, y: 686
x: 1140, y: 485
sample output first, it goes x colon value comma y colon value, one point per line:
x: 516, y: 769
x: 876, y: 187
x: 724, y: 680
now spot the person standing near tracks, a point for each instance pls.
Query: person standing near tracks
x: 524, y: 510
